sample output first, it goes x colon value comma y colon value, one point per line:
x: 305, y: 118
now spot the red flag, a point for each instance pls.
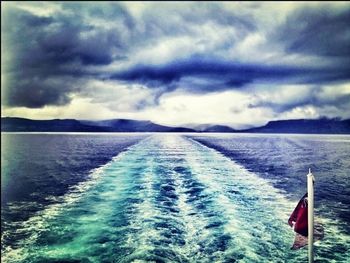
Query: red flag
x: 299, y: 217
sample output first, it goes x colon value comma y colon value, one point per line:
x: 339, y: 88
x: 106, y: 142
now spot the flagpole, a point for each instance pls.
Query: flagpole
x: 310, y: 200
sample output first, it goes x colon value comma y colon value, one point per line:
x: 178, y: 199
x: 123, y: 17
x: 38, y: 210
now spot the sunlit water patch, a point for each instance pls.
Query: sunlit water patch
x: 167, y: 199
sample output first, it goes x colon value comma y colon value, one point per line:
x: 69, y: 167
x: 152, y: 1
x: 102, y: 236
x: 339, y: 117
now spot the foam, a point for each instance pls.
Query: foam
x: 40, y: 221
x: 235, y: 214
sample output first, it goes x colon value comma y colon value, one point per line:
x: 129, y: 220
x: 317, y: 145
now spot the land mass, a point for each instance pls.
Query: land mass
x: 9, y: 124
x: 305, y: 126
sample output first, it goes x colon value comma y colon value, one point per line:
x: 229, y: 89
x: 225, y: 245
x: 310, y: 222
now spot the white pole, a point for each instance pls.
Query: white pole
x: 310, y: 212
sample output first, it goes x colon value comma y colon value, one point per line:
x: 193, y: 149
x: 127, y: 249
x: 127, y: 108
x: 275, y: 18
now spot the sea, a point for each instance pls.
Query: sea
x: 169, y: 197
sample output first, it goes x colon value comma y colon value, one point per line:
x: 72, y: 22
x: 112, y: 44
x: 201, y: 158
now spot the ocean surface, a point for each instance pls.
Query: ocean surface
x: 169, y: 197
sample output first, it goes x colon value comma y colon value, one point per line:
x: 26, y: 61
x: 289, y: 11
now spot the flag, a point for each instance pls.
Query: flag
x: 299, y: 217
x: 299, y: 220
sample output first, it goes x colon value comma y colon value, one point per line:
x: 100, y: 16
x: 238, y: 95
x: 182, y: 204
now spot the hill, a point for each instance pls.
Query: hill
x: 305, y: 126
x: 70, y: 125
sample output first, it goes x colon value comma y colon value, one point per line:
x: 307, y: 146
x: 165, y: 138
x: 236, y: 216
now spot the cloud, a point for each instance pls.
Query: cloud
x: 290, y: 97
x: 116, y: 96
x: 48, y: 54
x: 219, y: 74
x: 38, y: 91
x: 320, y: 31
x: 137, y: 59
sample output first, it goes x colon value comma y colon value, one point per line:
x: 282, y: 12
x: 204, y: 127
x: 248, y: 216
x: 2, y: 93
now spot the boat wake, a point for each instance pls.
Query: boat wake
x: 166, y: 199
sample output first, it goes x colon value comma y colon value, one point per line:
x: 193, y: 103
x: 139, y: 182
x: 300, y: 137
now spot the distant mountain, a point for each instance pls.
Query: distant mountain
x: 320, y: 126
x: 305, y: 126
x: 71, y: 125
x: 181, y: 129
x: 65, y: 125
x: 219, y: 128
x: 126, y: 125
x: 210, y: 128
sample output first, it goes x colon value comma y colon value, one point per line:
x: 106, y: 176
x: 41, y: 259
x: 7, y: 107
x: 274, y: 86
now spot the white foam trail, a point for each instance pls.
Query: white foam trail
x: 235, y: 207
x: 221, y: 175
x: 41, y: 220
x: 213, y: 170
x: 272, y: 199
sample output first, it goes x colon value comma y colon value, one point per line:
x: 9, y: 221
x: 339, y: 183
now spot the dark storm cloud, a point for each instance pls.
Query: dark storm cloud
x: 36, y: 88
x: 59, y: 39
x: 82, y: 34
x: 230, y: 73
x: 320, y: 31
x: 225, y: 74
x: 56, y: 48
x: 36, y: 93
x: 49, y: 58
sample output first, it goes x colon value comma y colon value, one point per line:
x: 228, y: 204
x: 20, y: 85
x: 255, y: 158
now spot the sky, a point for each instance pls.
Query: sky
x: 239, y: 64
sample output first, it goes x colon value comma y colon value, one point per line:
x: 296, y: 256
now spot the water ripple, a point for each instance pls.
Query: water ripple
x: 167, y: 199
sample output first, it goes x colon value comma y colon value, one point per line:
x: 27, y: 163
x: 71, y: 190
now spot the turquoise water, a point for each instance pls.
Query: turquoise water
x: 167, y: 198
